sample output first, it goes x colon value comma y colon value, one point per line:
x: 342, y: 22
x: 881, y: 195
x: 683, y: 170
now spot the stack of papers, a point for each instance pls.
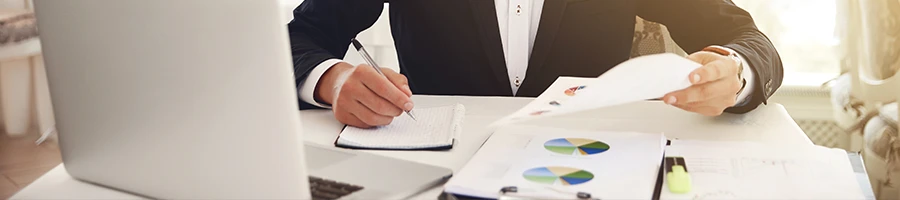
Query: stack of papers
x: 744, y: 170
x: 554, y: 163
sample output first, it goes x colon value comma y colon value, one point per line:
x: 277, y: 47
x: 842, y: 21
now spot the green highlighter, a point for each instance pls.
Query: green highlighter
x: 677, y: 176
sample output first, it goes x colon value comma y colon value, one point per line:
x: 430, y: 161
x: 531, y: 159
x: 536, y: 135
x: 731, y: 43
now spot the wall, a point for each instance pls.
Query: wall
x: 15, y: 4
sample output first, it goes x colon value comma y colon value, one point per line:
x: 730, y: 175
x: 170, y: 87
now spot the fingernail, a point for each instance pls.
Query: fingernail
x: 671, y: 100
x: 406, y: 88
x: 695, y: 78
x: 408, y: 106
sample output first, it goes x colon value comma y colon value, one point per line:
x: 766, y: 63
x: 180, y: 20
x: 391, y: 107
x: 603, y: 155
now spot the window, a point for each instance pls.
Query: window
x: 805, y: 34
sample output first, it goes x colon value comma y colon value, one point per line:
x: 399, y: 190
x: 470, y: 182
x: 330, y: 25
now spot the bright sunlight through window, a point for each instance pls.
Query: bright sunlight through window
x: 804, y: 32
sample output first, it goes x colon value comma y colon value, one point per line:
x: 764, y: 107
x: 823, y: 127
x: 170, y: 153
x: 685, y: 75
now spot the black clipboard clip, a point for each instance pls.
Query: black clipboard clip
x: 513, y: 192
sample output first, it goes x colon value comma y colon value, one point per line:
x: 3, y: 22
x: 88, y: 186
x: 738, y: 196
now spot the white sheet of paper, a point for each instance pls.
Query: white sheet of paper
x: 627, y: 169
x: 436, y: 126
x: 743, y: 170
x: 638, y: 79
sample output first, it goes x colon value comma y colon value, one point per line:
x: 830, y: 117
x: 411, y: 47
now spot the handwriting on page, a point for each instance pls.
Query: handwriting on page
x: 741, y: 170
x: 716, y: 194
x: 739, y: 177
x: 709, y: 165
x: 750, y: 167
x: 779, y: 167
x: 436, y: 125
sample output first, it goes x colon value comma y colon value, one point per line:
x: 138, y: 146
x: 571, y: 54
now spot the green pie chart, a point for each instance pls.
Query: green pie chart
x: 558, y: 175
x: 576, y: 146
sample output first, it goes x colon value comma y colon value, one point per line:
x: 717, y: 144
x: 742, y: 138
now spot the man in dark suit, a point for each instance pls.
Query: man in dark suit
x: 487, y: 47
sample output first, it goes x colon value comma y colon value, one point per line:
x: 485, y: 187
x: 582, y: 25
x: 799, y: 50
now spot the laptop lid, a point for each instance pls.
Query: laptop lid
x: 175, y: 99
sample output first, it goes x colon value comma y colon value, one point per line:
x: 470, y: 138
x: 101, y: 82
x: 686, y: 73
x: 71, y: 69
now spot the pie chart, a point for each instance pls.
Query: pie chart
x: 576, y: 146
x: 571, y: 91
x: 558, y: 175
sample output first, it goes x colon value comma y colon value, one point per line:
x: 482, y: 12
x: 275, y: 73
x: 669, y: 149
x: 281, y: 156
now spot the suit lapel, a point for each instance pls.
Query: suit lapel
x: 485, y: 16
x: 551, y: 16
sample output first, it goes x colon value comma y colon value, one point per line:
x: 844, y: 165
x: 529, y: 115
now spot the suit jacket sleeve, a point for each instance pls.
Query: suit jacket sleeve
x: 322, y: 29
x: 695, y: 24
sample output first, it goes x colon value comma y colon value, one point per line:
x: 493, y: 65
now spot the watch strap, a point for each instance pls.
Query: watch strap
x: 734, y: 56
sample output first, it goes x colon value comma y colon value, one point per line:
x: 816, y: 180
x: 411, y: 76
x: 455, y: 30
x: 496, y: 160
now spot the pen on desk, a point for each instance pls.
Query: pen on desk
x: 365, y: 55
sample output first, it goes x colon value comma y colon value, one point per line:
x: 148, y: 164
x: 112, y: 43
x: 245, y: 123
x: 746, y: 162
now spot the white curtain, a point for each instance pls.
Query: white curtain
x: 880, y: 36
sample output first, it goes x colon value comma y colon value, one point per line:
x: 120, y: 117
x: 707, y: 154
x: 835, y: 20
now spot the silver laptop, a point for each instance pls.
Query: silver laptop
x: 179, y: 99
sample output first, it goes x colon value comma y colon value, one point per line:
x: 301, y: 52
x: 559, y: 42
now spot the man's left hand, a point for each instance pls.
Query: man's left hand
x: 714, y: 88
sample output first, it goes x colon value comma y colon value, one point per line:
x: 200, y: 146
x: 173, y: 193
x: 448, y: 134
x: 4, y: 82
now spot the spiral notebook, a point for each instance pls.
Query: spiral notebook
x: 436, y: 128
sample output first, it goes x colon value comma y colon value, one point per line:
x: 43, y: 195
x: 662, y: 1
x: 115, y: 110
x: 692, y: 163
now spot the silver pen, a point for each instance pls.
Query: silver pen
x: 365, y: 55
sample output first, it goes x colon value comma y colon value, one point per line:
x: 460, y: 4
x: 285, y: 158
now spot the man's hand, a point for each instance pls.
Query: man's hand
x: 363, y: 98
x: 715, y: 85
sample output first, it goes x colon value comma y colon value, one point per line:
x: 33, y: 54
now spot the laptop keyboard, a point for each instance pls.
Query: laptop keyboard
x: 324, y: 189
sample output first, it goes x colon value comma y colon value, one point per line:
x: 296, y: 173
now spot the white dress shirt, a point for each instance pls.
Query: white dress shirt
x: 518, y: 22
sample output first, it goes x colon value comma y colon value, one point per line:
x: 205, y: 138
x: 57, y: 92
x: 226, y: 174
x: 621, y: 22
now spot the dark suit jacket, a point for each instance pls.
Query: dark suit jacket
x: 453, y: 47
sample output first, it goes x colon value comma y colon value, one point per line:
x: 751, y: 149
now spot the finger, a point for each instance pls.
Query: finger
x: 722, y: 102
x: 367, y: 116
x: 384, y: 88
x: 345, y: 115
x: 701, y: 109
x: 376, y: 103
x: 715, y: 70
x: 686, y: 107
x: 348, y: 118
x: 398, y: 79
x: 712, y: 107
x: 349, y: 109
x: 699, y: 93
x: 703, y: 57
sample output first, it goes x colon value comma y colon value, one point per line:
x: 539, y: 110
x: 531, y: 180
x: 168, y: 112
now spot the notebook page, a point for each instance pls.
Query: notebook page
x: 435, y: 126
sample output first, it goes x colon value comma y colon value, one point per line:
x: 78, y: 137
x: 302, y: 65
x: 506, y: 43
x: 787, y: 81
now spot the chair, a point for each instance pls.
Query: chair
x: 875, y: 81
x: 24, y: 94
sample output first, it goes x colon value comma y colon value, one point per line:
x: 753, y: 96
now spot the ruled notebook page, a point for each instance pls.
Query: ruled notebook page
x: 434, y: 127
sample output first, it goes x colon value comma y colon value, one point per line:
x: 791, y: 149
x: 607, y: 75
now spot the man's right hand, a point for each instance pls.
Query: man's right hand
x: 361, y: 97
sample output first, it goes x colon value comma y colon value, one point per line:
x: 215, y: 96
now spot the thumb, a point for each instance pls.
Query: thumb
x: 703, y: 57
x: 399, y: 80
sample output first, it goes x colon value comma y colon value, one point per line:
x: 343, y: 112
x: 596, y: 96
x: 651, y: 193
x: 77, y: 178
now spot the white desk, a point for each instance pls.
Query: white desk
x: 769, y: 123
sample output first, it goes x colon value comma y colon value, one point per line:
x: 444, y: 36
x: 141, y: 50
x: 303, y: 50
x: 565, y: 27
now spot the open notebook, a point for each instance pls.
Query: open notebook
x: 435, y: 129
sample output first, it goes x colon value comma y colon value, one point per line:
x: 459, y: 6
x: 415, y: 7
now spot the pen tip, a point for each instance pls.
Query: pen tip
x: 411, y: 115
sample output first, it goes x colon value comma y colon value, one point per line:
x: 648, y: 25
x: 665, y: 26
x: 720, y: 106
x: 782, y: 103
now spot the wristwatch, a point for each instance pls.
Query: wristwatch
x: 734, y: 56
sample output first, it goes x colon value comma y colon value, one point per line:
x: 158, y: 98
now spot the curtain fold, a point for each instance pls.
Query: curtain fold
x: 880, y: 31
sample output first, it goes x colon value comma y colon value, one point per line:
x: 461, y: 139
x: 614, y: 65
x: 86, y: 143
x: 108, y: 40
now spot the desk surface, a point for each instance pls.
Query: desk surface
x: 768, y: 123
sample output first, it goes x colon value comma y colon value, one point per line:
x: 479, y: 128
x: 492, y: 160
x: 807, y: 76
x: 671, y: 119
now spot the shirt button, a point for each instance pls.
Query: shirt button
x: 518, y: 9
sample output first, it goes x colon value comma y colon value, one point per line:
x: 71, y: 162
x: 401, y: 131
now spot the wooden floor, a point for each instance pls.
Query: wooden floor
x: 21, y: 161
